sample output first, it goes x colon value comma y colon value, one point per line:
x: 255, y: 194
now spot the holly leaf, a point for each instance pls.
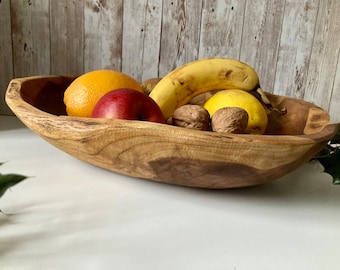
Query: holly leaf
x: 329, y: 157
x: 9, y: 180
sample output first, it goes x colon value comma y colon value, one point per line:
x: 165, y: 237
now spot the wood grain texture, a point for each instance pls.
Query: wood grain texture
x: 31, y: 37
x: 152, y: 38
x: 221, y: 28
x: 324, y: 56
x: 294, y: 45
x: 334, y: 108
x: 261, y: 32
x: 141, y: 38
x: 6, y: 66
x: 180, y: 33
x: 67, y: 37
x: 179, y: 156
x: 103, y: 26
x: 133, y: 38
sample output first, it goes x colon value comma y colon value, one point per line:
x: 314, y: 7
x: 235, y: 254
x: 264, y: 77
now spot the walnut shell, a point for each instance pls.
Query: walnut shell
x: 191, y: 116
x: 230, y: 120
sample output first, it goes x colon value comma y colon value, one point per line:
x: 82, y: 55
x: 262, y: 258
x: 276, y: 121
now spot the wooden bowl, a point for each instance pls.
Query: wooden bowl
x: 172, y: 154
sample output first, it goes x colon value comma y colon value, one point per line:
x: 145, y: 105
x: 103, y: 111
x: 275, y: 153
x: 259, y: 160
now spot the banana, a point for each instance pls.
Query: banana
x: 180, y: 85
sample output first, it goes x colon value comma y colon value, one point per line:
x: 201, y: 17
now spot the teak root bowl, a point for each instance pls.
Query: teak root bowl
x: 172, y: 154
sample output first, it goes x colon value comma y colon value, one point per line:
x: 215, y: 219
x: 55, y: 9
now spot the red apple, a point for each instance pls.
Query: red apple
x: 128, y: 104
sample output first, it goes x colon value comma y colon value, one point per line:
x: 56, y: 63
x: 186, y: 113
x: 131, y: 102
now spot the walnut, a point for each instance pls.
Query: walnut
x: 191, y: 116
x: 230, y: 120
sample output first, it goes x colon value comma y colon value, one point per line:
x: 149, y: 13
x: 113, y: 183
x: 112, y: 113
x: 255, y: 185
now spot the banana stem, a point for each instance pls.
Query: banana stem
x: 260, y: 94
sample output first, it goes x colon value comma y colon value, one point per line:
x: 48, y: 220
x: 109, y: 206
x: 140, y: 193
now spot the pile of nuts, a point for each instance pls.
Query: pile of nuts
x: 226, y: 120
x: 194, y: 116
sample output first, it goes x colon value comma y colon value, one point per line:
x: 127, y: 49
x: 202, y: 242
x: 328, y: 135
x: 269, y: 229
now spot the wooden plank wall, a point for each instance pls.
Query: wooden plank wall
x: 294, y: 45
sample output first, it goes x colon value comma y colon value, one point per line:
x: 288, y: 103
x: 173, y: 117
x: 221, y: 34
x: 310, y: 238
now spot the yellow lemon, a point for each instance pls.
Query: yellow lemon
x: 84, y: 92
x: 258, y: 119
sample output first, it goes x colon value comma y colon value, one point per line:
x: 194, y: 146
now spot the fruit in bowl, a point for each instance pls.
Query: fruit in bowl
x: 257, y: 115
x: 83, y: 93
x: 127, y: 104
x: 171, y: 154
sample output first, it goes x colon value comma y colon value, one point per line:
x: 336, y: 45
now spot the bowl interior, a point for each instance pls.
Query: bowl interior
x: 301, y: 118
x: 46, y: 95
x: 178, y: 155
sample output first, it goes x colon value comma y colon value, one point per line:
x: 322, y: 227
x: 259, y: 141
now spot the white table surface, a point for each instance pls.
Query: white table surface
x: 72, y: 215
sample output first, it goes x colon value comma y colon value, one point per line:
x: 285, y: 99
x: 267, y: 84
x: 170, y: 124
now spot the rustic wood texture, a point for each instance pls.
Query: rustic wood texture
x: 321, y: 83
x: 133, y: 37
x: 30, y: 37
x: 179, y: 155
x: 152, y: 38
x: 180, y: 33
x: 67, y: 37
x: 334, y: 108
x: 294, y: 45
x: 262, y: 32
x: 6, y: 53
x: 221, y: 28
x: 103, y: 26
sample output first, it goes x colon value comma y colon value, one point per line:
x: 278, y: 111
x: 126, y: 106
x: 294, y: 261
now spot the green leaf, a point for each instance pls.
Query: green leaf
x: 9, y: 180
x: 329, y: 157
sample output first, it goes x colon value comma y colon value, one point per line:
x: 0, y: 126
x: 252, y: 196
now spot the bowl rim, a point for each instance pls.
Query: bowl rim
x: 218, y: 149
x: 19, y: 106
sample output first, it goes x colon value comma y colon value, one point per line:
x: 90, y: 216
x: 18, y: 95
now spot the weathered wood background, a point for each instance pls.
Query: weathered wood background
x: 293, y: 44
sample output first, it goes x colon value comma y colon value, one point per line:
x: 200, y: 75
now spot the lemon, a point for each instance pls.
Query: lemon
x: 258, y: 119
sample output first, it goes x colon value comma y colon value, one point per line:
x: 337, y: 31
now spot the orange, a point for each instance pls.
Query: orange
x: 84, y: 92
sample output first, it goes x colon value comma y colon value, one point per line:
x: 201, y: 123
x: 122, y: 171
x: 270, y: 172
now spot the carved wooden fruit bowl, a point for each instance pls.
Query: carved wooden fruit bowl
x: 172, y: 154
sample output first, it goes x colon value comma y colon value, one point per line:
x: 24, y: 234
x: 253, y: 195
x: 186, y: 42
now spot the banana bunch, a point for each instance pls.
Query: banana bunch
x: 182, y: 84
